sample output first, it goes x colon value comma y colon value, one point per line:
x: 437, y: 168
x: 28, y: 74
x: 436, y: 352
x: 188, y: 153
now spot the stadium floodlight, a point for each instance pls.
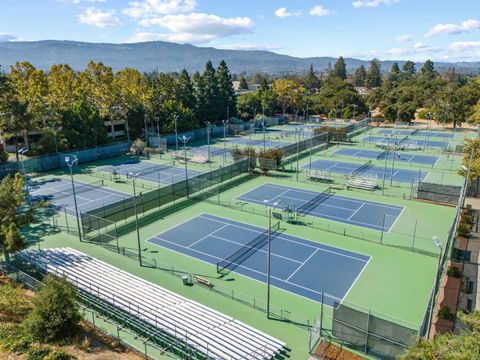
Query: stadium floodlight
x: 70, y: 162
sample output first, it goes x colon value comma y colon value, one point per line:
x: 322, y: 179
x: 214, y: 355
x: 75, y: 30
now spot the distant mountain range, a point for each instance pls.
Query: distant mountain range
x: 171, y: 57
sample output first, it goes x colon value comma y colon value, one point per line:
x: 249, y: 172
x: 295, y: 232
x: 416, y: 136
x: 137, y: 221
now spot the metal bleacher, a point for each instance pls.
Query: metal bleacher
x: 162, y: 312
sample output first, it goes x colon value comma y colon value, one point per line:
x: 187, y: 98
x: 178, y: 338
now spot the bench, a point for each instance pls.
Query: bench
x: 363, y: 183
x: 202, y: 281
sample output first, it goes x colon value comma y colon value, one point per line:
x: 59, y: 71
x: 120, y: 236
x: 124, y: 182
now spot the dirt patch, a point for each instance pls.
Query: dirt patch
x: 329, y: 351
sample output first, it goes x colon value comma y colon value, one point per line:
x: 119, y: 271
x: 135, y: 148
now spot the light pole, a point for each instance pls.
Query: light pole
x: 157, y: 119
x: 22, y: 152
x: 145, y: 116
x: 134, y: 177
x: 70, y: 164
x: 175, y: 117
x: 185, y: 140
x: 208, y: 138
x: 225, y: 123
x: 438, y: 244
x: 354, y: 108
x: 269, y: 251
x: 264, y: 125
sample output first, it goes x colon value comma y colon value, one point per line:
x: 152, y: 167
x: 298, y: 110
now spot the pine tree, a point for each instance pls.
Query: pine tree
x: 243, y: 84
x: 311, y: 80
x: 228, y: 100
x: 428, y: 70
x: 211, y: 91
x: 199, y: 93
x: 264, y: 85
x: 374, y: 76
x: 409, y: 68
x: 185, y: 93
x: 340, y: 69
x: 395, y: 68
x: 360, y: 76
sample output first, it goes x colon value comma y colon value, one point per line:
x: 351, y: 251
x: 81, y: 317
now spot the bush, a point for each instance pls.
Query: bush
x: 56, y: 314
x: 270, y: 159
x: 38, y: 352
x: 463, y: 229
x: 467, y: 219
x: 14, y: 339
x: 59, y: 355
x: 13, y: 304
x: 445, y: 312
x: 454, y: 271
x: 3, y: 157
x: 247, y: 152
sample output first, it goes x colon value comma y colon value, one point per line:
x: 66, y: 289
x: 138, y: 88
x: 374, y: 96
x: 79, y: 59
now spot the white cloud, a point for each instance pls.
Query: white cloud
x: 319, y: 10
x: 419, y: 45
x: 283, y: 13
x: 4, y: 37
x: 176, y: 38
x: 99, y: 18
x: 449, y: 29
x: 249, y: 46
x: 403, y: 38
x: 202, y: 24
x: 372, y: 3
x: 464, y: 45
x: 154, y: 8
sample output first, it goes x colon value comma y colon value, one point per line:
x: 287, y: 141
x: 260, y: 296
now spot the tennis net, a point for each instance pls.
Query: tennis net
x: 416, y: 131
x: 403, y: 140
x: 79, y: 188
x: 383, y: 155
x: 362, y: 168
x: 152, y: 169
x: 310, y: 205
x: 242, y: 254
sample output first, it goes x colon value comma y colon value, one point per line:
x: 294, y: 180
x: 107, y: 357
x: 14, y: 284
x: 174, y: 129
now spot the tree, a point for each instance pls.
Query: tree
x: 249, y: 104
x: 287, y: 93
x: 227, y: 97
x: 472, y: 147
x: 395, y: 68
x: 408, y: 68
x: 428, y: 70
x: 360, y: 76
x: 184, y: 90
x: 340, y: 69
x: 243, y: 84
x: 311, y: 81
x: 201, y: 110
x: 56, y: 313
x: 212, y: 93
x: 374, y: 75
x: 14, y: 214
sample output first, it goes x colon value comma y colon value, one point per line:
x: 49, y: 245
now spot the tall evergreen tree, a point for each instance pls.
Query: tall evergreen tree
x: 243, y: 84
x: 409, y: 68
x: 184, y: 88
x: 228, y: 100
x: 360, y: 76
x: 212, y: 93
x: 374, y: 75
x: 428, y: 70
x: 395, y: 68
x: 340, y: 69
x: 200, y: 102
x: 264, y: 85
x: 311, y: 80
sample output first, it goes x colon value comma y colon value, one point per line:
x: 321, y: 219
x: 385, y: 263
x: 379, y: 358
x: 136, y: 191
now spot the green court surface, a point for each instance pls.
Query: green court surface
x: 396, y: 284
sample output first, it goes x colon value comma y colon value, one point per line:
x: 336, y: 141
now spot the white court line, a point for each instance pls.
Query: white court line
x: 204, y: 237
x: 288, y: 240
x: 356, y: 211
x: 298, y: 268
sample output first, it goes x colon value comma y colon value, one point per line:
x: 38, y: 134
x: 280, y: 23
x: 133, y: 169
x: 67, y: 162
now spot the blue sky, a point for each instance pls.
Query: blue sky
x: 442, y: 30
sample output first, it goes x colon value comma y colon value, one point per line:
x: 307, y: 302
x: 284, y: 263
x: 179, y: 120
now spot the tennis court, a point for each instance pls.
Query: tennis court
x: 258, y: 142
x: 89, y: 196
x: 400, y: 175
x: 400, y: 141
x: 161, y: 174
x: 300, y: 266
x: 367, y: 214
x: 422, y: 133
x: 399, y: 156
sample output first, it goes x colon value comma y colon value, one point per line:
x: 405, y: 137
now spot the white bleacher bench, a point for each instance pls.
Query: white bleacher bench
x: 317, y: 175
x: 360, y: 182
x: 201, y: 328
x: 202, y: 281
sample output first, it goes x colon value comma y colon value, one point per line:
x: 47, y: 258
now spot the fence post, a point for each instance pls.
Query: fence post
x: 383, y: 228
x: 414, y: 234
x: 367, y: 333
x: 66, y: 219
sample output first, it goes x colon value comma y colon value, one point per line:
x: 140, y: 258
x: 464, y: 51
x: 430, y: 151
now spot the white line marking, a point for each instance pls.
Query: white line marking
x: 298, y: 268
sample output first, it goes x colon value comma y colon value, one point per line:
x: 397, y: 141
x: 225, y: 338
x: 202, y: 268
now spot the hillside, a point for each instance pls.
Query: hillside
x: 171, y: 57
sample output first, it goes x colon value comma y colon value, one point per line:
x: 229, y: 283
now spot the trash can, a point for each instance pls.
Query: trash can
x: 185, y: 280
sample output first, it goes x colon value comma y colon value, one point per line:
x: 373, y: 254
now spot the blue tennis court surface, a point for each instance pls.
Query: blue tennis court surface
x: 428, y: 134
x: 303, y: 267
x: 162, y: 174
x: 258, y: 142
x: 60, y: 193
x: 367, y: 214
x: 399, y: 156
x: 339, y: 167
x: 419, y: 143
x: 214, y: 151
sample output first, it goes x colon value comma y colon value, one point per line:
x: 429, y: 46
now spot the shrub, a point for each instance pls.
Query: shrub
x: 445, y: 312
x: 270, y: 159
x: 59, y: 355
x: 454, y: 271
x: 56, y: 314
x: 467, y: 219
x: 38, y: 352
x: 13, y: 304
x: 14, y: 339
x: 463, y: 229
x: 3, y: 157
